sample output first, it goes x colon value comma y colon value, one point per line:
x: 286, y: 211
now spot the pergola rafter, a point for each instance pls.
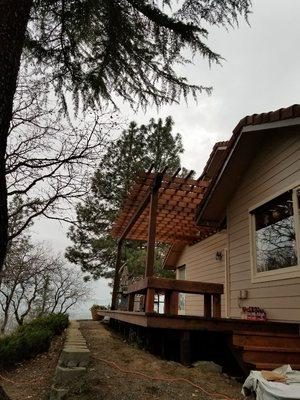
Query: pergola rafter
x: 177, y: 201
x: 159, y: 209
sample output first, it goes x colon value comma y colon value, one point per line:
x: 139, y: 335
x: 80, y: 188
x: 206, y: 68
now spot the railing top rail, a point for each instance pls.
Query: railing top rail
x: 177, y: 285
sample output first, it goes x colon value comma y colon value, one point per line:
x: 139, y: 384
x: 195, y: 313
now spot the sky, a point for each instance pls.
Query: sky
x: 260, y: 73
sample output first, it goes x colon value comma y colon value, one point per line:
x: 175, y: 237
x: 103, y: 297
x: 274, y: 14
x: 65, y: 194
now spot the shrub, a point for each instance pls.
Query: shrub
x: 31, y: 339
x: 98, y: 307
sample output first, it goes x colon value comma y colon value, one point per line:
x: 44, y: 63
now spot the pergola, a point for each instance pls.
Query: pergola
x: 159, y: 208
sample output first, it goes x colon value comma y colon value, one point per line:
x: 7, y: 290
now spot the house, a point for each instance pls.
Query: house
x: 254, y: 200
x: 234, y: 241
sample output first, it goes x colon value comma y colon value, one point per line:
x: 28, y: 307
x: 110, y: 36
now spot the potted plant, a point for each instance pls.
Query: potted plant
x: 94, y: 311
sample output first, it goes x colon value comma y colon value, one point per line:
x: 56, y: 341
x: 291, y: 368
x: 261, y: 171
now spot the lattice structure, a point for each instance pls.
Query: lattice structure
x: 178, y: 199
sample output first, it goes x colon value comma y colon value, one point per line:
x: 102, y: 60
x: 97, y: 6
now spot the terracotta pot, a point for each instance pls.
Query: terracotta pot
x: 95, y: 315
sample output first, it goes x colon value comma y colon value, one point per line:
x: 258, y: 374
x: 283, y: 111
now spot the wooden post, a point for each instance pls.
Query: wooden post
x: 117, y: 277
x: 131, y: 297
x: 167, y: 305
x: 207, y: 306
x: 149, y: 308
x: 185, y: 348
x: 174, y: 303
x: 217, y: 305
x: 152, y: 227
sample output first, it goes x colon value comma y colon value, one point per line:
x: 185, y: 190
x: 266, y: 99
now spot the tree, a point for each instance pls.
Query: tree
x: 104, y: 49
x: 137, y: 149
x: 49, y: 158
x: 36, y: 283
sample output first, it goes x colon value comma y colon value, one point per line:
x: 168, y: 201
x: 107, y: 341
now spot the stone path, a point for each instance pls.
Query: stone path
x: 72, y: 363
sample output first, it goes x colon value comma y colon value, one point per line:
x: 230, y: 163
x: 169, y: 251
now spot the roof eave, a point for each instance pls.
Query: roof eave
x: 263, y: 127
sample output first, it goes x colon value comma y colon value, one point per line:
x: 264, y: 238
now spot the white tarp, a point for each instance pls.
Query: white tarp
x: 266, y: 390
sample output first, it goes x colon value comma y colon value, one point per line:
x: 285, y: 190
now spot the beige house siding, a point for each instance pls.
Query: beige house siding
x: 275, y: 168
x: 201, y: 265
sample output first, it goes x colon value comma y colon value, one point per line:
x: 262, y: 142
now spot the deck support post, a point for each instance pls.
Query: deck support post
x: 117, y: 277
x: 217, y: 305
x: 207, y: 306
x: 185, y: 348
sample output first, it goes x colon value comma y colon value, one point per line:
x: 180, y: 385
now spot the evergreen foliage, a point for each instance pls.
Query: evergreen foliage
x: 31, y: 339
x: 100, y: 49
x: 136, y: 150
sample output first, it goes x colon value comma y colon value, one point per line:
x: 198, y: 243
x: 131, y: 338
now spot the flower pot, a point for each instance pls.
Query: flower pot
x: 95, y: 315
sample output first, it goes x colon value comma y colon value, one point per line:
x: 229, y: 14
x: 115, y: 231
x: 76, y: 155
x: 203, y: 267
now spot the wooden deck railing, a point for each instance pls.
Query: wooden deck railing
x: 171, y: 288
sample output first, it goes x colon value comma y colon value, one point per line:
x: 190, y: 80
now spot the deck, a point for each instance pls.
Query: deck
x: 252, y: 344
x: 189, y: 322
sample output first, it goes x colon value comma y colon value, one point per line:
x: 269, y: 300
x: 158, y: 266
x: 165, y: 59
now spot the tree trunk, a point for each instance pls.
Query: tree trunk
x: 14, y: 16
x: 4, y: 323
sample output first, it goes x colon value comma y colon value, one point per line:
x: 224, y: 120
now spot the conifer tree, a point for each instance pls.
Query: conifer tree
x: 137, y: 148
x: 104, y: 50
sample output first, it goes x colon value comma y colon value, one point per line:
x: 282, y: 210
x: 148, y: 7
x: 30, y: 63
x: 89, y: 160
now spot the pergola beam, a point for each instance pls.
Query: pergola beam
x: 177, y: 201
x: 152, y: 226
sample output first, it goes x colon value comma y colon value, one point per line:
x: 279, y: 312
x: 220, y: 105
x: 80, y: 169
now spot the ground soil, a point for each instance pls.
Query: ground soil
x: 105, y: 382
x: 32, y: 379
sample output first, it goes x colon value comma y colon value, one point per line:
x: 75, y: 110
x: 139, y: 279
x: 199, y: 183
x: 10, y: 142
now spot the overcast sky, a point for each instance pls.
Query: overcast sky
x: 260, y: 73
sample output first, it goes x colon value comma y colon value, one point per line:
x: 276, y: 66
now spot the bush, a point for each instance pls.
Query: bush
x: 98, y: 307
x: 31, y: 339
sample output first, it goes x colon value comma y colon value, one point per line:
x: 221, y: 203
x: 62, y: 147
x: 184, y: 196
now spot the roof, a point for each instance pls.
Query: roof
x: 220, y: 155
x: 272, y: 116
x: 173, y: 255
x: 244, y: 151
x: 178, y: 199
x: 215, y: 160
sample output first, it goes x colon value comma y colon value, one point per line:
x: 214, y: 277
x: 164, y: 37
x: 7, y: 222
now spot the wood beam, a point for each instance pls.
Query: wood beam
x: 152, y: 226
x: 185, y: 348
x: 217, y: 305
x: 179, y: 285
x: 117, y: 276
x: 135, y: 216
x: 174, y: 303
x: 207, y: 306
x: 149, y: 306
x: 131, y: 297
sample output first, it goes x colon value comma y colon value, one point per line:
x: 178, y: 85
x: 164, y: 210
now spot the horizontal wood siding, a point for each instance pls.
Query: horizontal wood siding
x: 201, y: 265
x: 276, y: 166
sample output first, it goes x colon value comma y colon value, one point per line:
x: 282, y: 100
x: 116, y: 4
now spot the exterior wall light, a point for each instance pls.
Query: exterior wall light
x: 219, y: 256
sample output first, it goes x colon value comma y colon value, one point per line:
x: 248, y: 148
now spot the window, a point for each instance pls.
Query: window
x: 275, y: 230
x: 159, y: 303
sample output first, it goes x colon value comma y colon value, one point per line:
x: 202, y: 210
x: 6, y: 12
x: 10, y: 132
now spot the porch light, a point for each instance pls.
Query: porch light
x: 219, y: 256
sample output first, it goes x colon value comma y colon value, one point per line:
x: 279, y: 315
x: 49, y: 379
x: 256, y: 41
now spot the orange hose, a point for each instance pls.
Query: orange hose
x: 164, y: 379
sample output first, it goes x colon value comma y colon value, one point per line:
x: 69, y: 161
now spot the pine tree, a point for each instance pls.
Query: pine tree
x: 137, y: 148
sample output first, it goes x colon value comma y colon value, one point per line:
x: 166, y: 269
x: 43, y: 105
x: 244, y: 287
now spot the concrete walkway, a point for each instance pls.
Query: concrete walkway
x: 72, y: 363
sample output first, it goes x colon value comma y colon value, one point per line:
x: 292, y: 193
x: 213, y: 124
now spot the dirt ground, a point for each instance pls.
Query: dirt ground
x: 32, y: 379
x: 105, y: 382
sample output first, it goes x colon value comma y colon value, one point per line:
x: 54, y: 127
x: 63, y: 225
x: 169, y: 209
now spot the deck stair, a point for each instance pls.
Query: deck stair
x: 267, y: 350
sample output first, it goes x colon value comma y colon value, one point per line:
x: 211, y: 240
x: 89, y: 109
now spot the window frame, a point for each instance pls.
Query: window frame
x: 281, y: 273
